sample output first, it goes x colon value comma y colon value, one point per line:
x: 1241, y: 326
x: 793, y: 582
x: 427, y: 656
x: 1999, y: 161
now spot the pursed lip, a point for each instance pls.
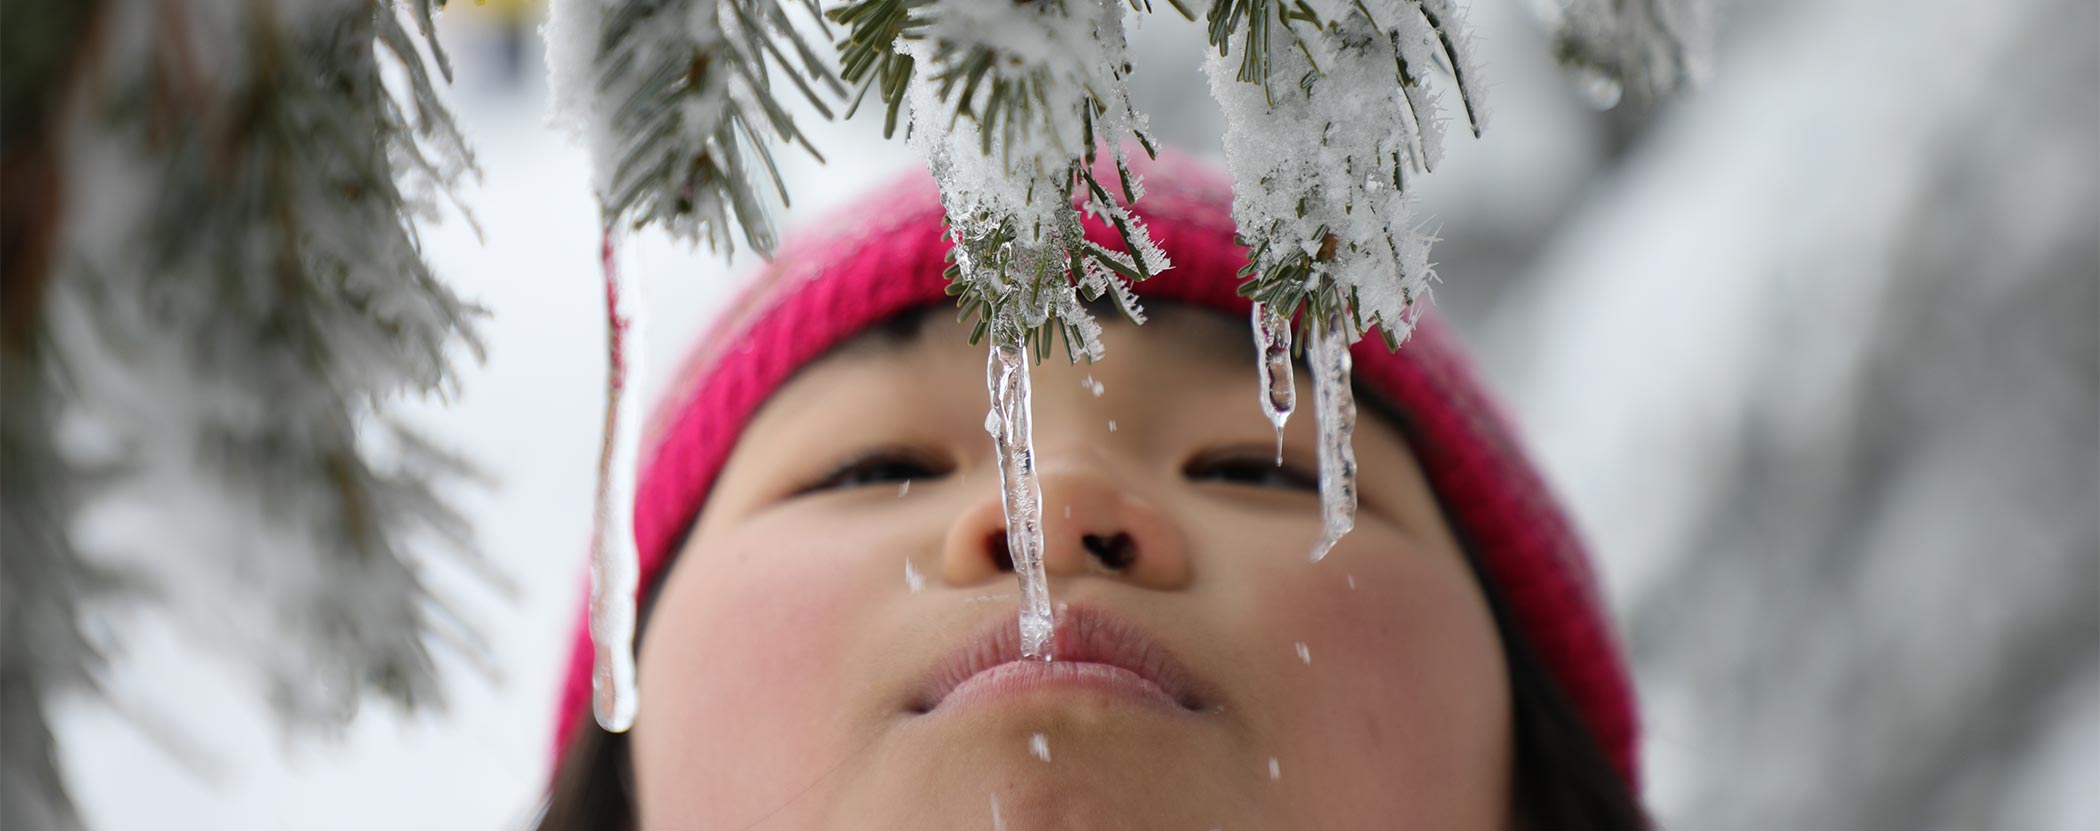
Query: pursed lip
x: 1090, y: 648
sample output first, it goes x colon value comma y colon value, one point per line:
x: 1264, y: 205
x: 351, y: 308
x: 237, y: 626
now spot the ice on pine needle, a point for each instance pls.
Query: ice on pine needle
x: 1335, y: 405
x: 1009, y: 422
x: 613, y: 556
x: 1325, y: 129
x: 1279, y: 391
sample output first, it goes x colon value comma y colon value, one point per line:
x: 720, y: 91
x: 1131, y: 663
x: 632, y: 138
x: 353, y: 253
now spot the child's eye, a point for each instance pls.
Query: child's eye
x: 878, y: 467
x: 1250, y: 469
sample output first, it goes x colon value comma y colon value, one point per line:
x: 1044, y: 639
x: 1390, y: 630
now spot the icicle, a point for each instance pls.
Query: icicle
x: 1336, y: 411
x: 1006, y: 373
x: 1279, y: 391
x: 612, y: 541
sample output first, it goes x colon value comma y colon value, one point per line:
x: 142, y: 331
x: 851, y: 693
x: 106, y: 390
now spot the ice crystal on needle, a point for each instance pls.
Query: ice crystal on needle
x: 1328, y: 115
x: 1008, y: 104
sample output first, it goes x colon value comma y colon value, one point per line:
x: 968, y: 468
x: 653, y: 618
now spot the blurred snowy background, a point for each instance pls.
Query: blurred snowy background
x: 1813, y: 351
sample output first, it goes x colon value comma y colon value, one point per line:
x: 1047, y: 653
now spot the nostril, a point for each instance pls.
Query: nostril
x: 995, y: 544
x: 1116, y: 551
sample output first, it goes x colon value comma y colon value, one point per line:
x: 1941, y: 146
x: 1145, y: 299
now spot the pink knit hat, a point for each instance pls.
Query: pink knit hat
x: 886, y: 254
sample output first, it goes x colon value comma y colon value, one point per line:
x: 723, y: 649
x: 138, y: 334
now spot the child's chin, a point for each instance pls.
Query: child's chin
x: 1126, y: 770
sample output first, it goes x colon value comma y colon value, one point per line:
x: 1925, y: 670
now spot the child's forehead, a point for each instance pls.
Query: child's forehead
x: 1173, y: 333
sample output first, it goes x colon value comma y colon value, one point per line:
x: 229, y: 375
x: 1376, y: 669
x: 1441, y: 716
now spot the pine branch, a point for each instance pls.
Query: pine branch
x: 996, y: 110
x: 228, y: 314
x: 1336, y: 241
x: 681, y: 114
x: 1644, y: 48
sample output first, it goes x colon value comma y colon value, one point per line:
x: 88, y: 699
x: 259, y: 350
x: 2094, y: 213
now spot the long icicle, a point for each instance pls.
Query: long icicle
x: 1006, y: 375
x: 1336, y: 410
x: 613, y: 566
x: 1279, y: 391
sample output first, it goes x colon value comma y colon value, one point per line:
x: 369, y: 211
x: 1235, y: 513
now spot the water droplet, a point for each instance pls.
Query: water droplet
x: 1275, y: 770
x: 998, y: 824
x: 1600, y: 88
x: 904, y: 488
x: 1111, y: 425
x: 1352, y: 582
x: 1279, y: 392
x: 912, y: 578
x: 1304, y: 653
x: 1039, y: 745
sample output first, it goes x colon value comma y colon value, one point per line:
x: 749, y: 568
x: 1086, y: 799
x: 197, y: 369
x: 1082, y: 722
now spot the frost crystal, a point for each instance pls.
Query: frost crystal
x: 1336, y: 405
x: 1322, y: 149
x: 613, y: 568
x: 1006, y: 373
x: 1279, y: 391
x: 1329, y: 113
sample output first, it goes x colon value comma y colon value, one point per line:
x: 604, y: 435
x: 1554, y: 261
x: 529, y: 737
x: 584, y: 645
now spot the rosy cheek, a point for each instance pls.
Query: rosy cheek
x: 742, y: 665
x: 1398, y: 703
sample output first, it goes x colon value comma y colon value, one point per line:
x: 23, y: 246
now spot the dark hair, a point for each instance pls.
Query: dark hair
x: 1561, y: 778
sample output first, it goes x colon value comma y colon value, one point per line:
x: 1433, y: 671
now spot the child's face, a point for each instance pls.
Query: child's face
x: 792, y: 674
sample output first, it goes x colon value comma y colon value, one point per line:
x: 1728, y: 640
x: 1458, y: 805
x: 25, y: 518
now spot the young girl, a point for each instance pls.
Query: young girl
x: 828, y: 623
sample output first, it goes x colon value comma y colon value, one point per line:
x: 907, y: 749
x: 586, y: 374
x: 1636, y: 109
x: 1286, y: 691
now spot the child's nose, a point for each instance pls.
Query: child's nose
x: 1091, y: 526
